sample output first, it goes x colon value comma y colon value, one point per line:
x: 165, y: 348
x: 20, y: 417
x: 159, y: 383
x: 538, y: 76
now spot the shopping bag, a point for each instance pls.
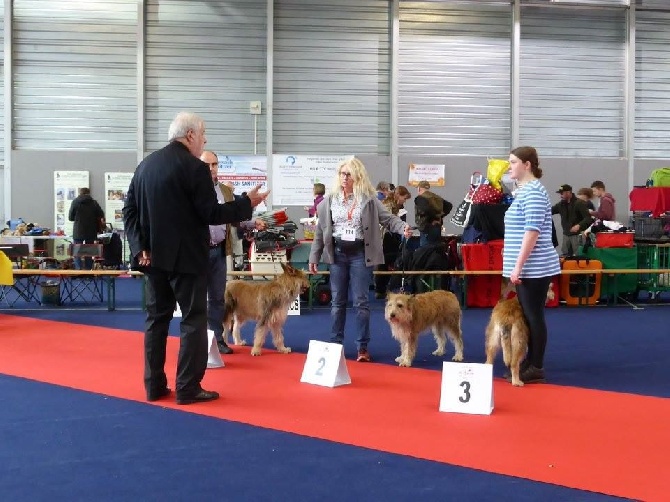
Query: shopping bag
x: 461, y: 216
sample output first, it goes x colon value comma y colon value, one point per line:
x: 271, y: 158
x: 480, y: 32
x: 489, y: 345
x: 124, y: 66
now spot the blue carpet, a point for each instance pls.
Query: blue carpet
x: 64, y: 444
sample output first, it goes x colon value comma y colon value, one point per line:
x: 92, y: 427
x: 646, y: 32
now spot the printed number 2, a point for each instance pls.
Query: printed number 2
x: 466, y: 392
x: 322, y: 363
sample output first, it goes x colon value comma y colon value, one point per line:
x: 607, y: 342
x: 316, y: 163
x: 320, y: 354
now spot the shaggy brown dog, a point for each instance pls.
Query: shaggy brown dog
x: 409, y: 315
x: 266, y: 303
x: 508, y: 327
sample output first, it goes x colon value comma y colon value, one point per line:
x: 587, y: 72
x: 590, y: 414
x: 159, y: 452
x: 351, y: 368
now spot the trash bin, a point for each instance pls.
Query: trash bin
x: 50, y: 292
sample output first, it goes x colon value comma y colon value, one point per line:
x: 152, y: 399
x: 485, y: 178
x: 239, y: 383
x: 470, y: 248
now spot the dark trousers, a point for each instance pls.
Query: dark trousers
x: 532, y: 294
x: 85, y: 263
x: 216, y: 286
x: 163, y: 289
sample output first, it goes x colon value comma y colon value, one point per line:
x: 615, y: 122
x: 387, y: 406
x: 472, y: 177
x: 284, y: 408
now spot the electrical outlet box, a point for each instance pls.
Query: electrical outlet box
x: 255, y: 107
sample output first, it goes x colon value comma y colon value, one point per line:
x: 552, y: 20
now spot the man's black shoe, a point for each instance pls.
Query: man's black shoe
x: 156, y: 395
x: 200, y: 397
x: 223, y: 348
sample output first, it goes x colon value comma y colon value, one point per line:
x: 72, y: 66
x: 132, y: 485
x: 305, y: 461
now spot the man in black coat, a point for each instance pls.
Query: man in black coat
x: 88, y: 217
x: 169, y: 206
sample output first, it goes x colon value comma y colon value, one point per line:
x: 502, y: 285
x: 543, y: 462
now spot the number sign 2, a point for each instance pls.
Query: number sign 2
x: 325, y: 365
x: 467, y: 388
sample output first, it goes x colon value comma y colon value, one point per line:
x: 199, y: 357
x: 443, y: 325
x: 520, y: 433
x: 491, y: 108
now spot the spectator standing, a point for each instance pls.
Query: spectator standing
x: 606, y: 209
x: 89, y: 219
x: 575, y: 218
x: 430, y: 209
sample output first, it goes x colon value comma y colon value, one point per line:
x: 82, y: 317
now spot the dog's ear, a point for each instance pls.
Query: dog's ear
x: 285, y: 267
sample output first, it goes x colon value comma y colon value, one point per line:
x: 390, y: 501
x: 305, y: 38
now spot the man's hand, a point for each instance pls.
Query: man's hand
x: 260, y: 224
x: 408, y: 232
x: 256, y: 197
x: 574, y: 229
x: 144, y: 259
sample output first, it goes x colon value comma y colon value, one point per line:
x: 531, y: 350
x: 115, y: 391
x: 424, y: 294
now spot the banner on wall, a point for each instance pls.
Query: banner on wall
x: 244, y: 172
x: 116, y: 187
x: 66, y: 189
x: 432, y: 173
x: 293, y: 177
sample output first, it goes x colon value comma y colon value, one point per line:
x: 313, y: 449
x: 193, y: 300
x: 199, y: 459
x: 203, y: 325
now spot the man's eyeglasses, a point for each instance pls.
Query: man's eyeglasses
x: 345, y: 174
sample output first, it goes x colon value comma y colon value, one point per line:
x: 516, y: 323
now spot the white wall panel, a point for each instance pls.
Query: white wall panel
x: 652, y: 85
x: 331, y: 79
x: 572, y: 72
x: 74, y: 74
x: 208, y: 58
x: 454, y: 78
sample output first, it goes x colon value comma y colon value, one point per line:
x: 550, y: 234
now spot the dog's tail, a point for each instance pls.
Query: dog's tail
x: 228, y: 310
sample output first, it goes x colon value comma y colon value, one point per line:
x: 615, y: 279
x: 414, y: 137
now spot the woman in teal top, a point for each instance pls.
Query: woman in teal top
x: 529, y: 258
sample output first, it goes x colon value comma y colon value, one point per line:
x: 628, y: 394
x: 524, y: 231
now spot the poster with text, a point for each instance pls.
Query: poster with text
x: 244, y: 172
x: 432, y: 173
x: 116, y: 187
x: 293, y: 177
x: 66, y: 189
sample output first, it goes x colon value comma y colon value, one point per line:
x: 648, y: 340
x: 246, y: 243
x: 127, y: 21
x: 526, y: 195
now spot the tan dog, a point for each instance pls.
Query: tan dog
x: 508, y: 327
x: 410, y: 315
x: 265, y: 302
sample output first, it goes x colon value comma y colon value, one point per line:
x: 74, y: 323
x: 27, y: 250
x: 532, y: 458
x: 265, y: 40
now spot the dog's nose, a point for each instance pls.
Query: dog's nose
x: 392, y: 316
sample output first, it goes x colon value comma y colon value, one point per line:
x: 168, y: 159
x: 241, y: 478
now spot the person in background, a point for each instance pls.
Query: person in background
x: 430, y: 209
x: 170, y: 203
x: 586, y: 194
x: 383, y: 189
x: 529, y: 258
x: 348, y: 238
x: 220, y: 247
x: 319, y: 191
x: 575, y: 218
x: 89, y: 219
x: 606, y: 210
x: 390, y: 241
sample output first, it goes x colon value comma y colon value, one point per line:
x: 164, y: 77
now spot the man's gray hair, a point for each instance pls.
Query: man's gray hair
x: 184, y: 122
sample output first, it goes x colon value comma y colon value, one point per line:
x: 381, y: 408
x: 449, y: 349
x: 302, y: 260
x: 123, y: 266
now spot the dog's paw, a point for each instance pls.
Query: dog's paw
x: 457, y: 358
x: 284, y: 350
x: 255, y: 352
x: 241, y: 342
x: 398, y: 359
x: 438, y: 352
x: 518, y: 383
x: 404, y: 363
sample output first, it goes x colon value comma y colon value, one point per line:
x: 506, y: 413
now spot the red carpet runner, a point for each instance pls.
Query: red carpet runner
x: 592, y: 440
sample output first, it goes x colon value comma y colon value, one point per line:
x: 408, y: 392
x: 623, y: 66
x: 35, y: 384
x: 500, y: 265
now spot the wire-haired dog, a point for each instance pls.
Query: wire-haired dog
x: 508, y: 327
x: 410, y: 315
x: 265, y: 302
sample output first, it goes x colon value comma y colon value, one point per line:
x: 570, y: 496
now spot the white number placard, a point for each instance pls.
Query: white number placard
x: 325, y: 365
x: 467, y: 388
x: 213, y: 357
x: 294, y: 308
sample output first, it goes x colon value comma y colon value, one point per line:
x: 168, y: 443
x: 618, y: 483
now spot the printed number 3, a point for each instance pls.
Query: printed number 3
x: 322, y: 363
x: 466, y: 392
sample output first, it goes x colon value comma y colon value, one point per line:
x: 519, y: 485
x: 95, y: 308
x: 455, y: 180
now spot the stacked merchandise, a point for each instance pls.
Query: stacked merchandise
x: 279, y: 234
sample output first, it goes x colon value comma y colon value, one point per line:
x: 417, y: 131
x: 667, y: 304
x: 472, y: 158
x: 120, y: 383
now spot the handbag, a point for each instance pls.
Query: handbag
x: 461, y: 216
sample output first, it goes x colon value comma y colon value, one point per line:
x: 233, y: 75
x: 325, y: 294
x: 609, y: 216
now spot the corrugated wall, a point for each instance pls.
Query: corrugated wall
x: 208, y: 58
x: 331, y: 77
x: 454, y: 78
x: 572, y: 92
x: 652, y: 85
x: 74, y: 74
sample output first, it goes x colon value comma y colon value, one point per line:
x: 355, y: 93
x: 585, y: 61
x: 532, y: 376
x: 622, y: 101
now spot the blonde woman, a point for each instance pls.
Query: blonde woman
x: 348, y: 239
